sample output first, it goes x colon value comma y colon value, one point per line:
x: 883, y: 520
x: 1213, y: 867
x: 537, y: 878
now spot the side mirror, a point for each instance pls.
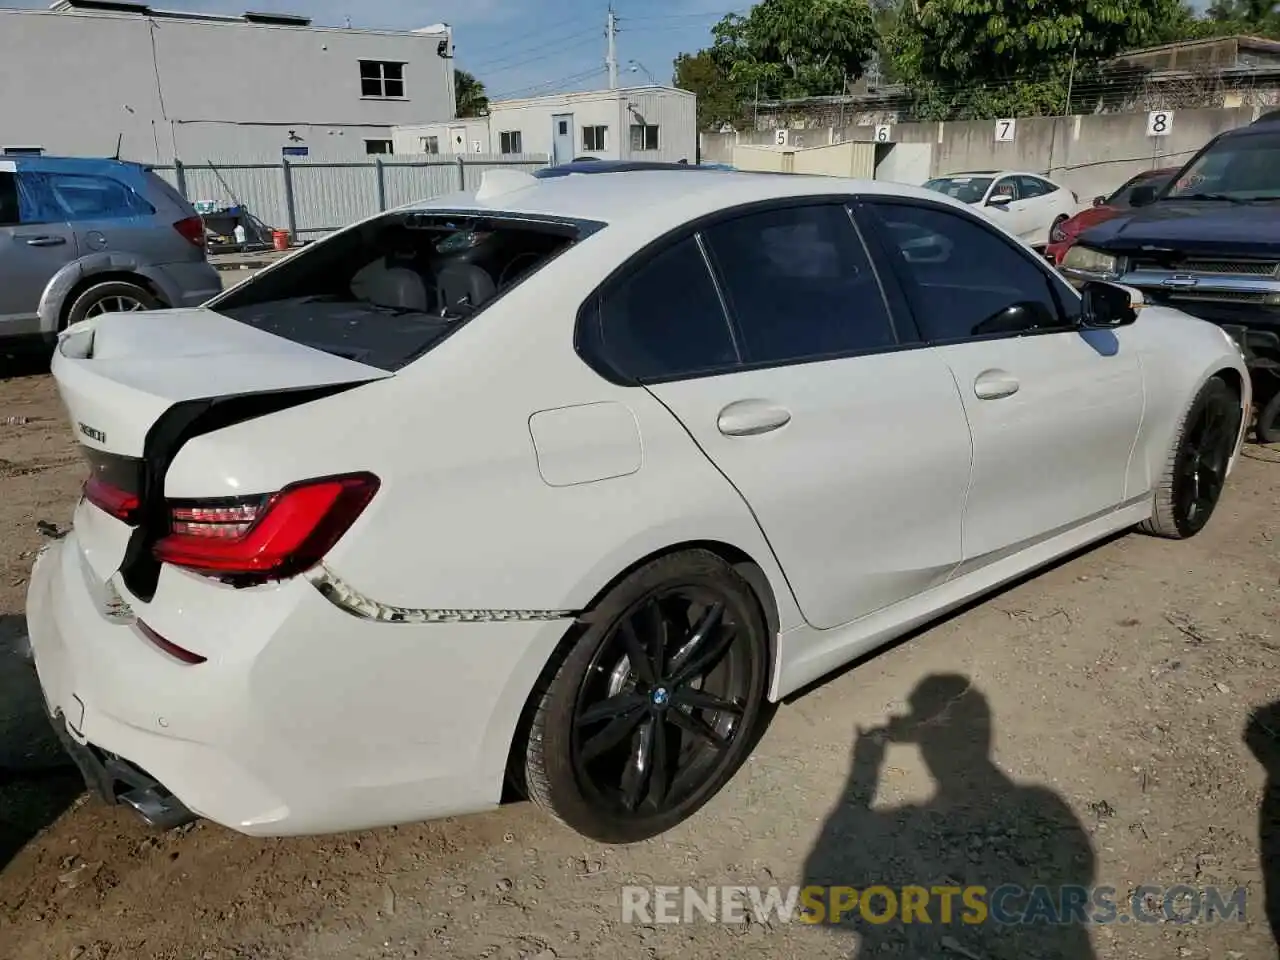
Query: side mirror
x: 1107, y: 306
x: 1099, y: 201
x: 1141, y: 196
x: 1000, y: 200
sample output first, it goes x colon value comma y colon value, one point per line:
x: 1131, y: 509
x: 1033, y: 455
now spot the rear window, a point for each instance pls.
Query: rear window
x: 964, y: 189
x: 387, y: 291
x: 164, y: 188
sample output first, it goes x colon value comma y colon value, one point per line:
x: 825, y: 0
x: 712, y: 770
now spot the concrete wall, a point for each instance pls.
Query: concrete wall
x: 1091, y: 155
x: 227, y: 91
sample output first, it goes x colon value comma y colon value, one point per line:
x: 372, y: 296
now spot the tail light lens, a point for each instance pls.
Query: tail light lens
x: 269, y: 537
x: 121, y: 504
x: 192, y: 230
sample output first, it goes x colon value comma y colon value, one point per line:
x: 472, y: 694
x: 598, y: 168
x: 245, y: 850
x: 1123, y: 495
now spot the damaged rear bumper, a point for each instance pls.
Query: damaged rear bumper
x: 115, y: 780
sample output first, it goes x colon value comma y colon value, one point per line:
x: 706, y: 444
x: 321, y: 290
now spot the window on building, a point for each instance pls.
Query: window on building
x: 430, y: 144
x: 381, y: 78
x: 644, y: 136
x: 593, y: 138
x: 509, y: 141
x: 377, y: 146
x: 24, y: 151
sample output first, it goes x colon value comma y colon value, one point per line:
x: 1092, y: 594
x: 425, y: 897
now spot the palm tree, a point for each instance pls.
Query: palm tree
x: 470, y: 98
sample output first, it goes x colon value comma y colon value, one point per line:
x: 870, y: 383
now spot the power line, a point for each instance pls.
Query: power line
x: 561, y: 48
x: 534, y: 88
x: 522, y: 55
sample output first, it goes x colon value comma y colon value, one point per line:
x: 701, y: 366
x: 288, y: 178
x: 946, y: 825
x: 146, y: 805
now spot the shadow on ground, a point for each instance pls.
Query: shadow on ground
x: 1262, y: 734
x: 23, y: 359
x: 38, y: 782
x: 979, y: 829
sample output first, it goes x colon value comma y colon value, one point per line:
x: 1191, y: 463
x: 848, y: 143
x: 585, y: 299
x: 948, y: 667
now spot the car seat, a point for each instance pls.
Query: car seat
x: 384, y: 285
x: 458, y: 283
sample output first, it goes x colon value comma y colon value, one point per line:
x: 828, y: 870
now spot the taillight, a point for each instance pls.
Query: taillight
x: 121, y: 504
x: 192, y: 230
x: 266, y: 537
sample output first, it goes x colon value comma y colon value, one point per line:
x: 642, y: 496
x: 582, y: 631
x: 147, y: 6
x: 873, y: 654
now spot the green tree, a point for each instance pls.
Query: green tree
x: 962, y: 40
x: 470, y: 98
x: 719, y: 98
x: 795, y: 48
x: 979, y: 58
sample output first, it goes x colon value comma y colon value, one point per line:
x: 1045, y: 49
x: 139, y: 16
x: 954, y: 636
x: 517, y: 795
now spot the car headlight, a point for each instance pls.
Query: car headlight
x: 1092, y: 261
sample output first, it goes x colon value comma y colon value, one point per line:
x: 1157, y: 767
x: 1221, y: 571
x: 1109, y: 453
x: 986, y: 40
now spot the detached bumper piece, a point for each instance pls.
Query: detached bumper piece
x: 117, y: 781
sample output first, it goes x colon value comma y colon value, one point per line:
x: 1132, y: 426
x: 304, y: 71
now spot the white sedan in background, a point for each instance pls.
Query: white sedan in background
x: 558, y: 483
x: 1028, y: 205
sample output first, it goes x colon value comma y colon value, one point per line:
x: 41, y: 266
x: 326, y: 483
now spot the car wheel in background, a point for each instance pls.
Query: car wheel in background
x: 111, y: 296
x: 654, y: 706
x: 1196, y: 470
x: 1267, y: 429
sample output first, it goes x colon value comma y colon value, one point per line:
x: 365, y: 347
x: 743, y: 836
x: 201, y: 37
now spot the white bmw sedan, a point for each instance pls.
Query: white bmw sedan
x: 558, y: 483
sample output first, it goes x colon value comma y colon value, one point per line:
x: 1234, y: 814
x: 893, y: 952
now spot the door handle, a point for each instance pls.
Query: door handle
x: 750, y: 418
x: 995, y: 385
x: 43, y: 241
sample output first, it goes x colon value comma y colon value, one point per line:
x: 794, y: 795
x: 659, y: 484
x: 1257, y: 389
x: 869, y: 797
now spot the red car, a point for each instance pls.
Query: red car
x: 1063, y: 235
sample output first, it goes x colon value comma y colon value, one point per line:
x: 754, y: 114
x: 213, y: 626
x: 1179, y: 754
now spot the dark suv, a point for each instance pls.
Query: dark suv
x: 1208, y: 243
x: 83, y: 236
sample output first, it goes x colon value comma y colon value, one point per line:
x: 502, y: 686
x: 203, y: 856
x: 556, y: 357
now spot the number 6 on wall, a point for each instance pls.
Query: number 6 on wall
x: 884, y: 133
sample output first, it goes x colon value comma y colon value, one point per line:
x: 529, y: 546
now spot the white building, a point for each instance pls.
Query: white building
x: 630, y: 123
x: 88, y: 74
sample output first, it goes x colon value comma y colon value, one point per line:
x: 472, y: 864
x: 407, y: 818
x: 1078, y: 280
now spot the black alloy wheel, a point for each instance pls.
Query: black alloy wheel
x: 654, y: 707
x: 1196, y: 469
x: 1200, y: 468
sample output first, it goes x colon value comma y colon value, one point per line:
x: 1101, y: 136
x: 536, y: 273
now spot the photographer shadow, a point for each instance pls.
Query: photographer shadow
x: 1262, y: 736
x: 980, y: 829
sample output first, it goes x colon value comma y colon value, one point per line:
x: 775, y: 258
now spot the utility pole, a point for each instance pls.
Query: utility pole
x: 611, y: 31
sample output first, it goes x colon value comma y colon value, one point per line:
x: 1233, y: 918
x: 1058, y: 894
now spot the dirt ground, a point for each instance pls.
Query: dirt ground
x: 1119, y: 683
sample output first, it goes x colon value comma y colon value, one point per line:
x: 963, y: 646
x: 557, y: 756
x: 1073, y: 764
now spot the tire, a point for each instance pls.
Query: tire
x: 675, y: 725
x: 1195, y: 471
x: 109, y: 295
x: 1267, y: 429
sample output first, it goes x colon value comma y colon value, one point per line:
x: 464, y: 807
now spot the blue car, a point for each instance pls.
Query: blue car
x: 81, y: 236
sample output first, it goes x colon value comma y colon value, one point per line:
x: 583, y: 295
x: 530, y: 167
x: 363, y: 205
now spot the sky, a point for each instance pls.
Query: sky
x: 517, y: 47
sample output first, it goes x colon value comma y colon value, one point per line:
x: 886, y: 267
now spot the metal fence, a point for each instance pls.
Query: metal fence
x: 312, y: 197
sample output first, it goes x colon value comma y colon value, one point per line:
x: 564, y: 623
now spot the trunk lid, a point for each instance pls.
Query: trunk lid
x: 138, y: 385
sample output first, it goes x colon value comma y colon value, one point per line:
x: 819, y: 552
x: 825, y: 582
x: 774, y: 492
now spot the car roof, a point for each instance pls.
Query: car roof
x: 90, y: 165
x: 992, y: 173
x: 663, y: 199
x: 592, y: 165
x: 1265, y: 124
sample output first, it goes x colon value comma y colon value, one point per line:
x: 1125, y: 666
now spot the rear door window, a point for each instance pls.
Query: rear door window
x: 664, y: 320
x: 386, y: 291
x: 800, y: 284
x: 89, y: 197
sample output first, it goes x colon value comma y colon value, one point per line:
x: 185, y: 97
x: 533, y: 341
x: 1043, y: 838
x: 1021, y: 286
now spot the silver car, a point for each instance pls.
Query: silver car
x: 81, y: 236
